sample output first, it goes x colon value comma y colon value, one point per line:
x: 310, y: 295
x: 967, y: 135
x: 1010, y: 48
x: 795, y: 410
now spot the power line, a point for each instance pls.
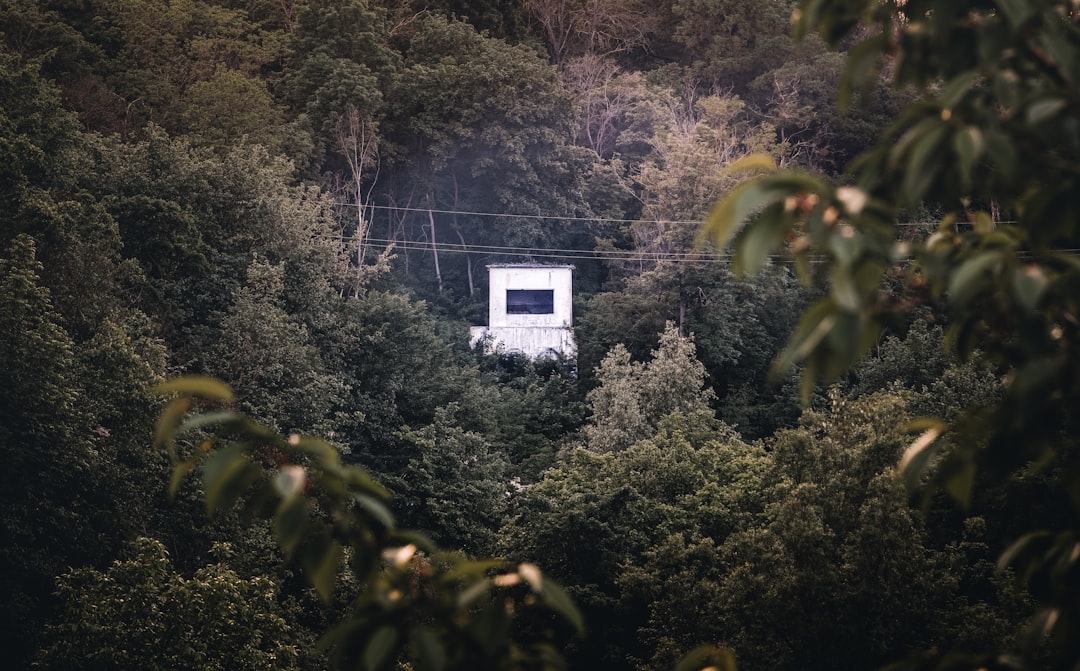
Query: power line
x: 504, y: 249
x: 556, y: 217
x: 571, y: 255
x: 590, y: 255
x: 506, y: 215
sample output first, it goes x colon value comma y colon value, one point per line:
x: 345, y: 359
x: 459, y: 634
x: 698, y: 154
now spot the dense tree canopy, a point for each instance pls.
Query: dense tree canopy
x: 299, y: 197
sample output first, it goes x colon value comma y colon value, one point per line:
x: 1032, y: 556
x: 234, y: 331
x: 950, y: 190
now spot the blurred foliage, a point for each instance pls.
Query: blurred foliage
x: 993, y: 142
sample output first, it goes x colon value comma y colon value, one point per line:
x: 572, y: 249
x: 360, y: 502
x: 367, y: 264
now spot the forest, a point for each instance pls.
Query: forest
x: 823, y: 408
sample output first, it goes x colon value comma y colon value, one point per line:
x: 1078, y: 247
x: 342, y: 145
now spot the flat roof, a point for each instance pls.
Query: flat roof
x: 529, y: 265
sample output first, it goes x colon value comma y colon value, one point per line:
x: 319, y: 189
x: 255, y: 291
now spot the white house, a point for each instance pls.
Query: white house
x: 530, y: 310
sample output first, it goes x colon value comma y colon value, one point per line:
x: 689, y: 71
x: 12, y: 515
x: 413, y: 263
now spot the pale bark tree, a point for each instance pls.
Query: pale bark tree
x: 602, y: 27
x: 357, y: 141
x: 605, y: 95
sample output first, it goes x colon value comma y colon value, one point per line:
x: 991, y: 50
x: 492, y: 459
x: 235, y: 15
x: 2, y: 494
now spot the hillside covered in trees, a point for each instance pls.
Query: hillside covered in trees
x: 299, y: 198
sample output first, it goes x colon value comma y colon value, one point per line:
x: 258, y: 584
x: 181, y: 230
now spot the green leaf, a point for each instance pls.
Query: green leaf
x: 902, y: 147
x: 1018, y: 12
x: 921, y: 165
x: 559, y: 601
x: 1029, y: 284
x: 429, y: 649
x: 291, y: 522
x: 340, y: 636
x: 167, y: 422
x: 1033, y: 376
x: 1033, y: 543
x: 422, y: 542
x: 983, y: 222
x: 731, y: 211
x: 958, y: 476
x: 757, y: 241
x: 358, y: 478
x: 179, y: 473
x: 322, y: 559
x: 748, y: 197
x: 1060, y: 42
x: 376, y: 509
x: 205, y: 419
x: 316, y: 447
x: 1041, y: 110
x: 473, y: 569
x: 815, y: 324
x: 379, y: 648
x: 490, y: 628
x: 1042, y: 626
x: 918, y: 455
x: 972, y: 277
x: 753, y: 162
x: 226, y: 474
x: 862, y: 64
x: 196, y: 385
x: 1001, y: 150
x: 846, y: 249
x: 957, y: 88
x: 473, y: 592
x: 968, y: 146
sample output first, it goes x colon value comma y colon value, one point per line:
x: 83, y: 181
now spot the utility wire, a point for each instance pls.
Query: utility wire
x: 503, y: 249
x: 589, y: 255
x: 569, y: 255
x: 555, y: 217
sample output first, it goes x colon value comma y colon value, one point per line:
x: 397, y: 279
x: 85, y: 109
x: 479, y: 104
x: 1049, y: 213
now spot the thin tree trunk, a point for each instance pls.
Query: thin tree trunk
x: 464, y: 249
x: 435, y: 250
x: 468, y: 263
x: 682, y: 315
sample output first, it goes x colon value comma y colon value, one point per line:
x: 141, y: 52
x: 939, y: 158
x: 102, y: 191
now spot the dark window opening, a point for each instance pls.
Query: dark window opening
x: 530, y: 302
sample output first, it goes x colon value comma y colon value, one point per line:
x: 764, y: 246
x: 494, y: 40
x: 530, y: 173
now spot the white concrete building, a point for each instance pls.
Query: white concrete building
x: 530, y: 310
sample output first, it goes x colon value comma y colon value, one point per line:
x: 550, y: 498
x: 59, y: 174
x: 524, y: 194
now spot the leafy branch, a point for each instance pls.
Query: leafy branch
x: 435, y: 609
x: 994, y: 144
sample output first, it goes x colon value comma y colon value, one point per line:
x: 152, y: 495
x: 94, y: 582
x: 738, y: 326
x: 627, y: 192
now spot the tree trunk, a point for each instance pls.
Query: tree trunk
x: 435, y: 250
x: 468, y: 263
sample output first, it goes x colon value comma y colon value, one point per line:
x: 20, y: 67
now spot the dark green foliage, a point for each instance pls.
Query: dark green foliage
x: 79, y: 477
x: 535, y: 406
x: 187, y: 244
x: 396, y: 369
x: 499, y: 18
x: 36, y: 132
x: 195, y: 221
x: 632, y: 398
x: 593, y: 513
x: 455, y: 486
x: 799, y: 551
x: 33, y: 29
x: 339, y: 59
x: 269, y: 357
x: 738, y: 326
x: 47, y: 447
x: 734, y: 41
x: 140, y: 613
x: 475, y: 124
x: 799, y: 98
x: 415, y: 604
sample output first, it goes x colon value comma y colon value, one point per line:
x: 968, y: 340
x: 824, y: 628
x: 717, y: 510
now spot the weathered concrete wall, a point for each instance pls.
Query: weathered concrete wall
x: 533, y: 341
x: 535, y: 335
x: 559, y: 279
